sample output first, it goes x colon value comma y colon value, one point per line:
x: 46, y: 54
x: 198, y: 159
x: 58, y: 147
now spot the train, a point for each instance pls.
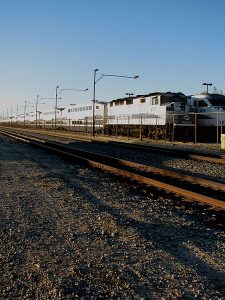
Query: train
x: 132, y: 116
x: 153, y: 115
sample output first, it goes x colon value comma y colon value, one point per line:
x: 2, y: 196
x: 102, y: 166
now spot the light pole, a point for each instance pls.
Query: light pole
x: 56, y: 103
x: 11, y: 116
x: 93, y: 108
x: 207, y: 84
x: 36, y: 107
x: 61, y: 109
x: 95, y: 81
x: 56, y: 98
x: 17, y: 109
x: 26, y: 104
x: 129, y: 94
x: 24, y: 116
x: 39, y: 116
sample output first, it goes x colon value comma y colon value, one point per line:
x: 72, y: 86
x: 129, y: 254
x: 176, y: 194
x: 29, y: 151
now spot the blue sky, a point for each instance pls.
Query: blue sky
x: 173, y: 45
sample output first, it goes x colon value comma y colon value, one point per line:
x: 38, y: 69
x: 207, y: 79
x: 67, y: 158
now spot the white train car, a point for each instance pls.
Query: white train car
x: 49, y: 116
x: 80, y: 116
x: 150, y: 109
x: 210, y: 109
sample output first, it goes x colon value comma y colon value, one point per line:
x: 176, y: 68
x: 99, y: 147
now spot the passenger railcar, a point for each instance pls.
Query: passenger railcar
x: 151, y: 113
x: 80, y: 117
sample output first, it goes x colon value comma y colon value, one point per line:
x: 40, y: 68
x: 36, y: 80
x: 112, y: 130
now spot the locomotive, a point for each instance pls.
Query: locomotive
x: 209, y: 111
x: 209, y: 107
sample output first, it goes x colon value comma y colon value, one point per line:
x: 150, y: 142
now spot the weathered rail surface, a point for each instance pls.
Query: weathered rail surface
x: 195, y: 188
x: 187, y: 154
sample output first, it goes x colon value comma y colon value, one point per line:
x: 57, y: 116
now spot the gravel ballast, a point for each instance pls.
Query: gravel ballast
x: 202, y: 169
x: 68, y: 232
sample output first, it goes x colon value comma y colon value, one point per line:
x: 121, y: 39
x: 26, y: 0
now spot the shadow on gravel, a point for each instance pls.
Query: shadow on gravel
x: 163, y: 238
x: 160, y: 234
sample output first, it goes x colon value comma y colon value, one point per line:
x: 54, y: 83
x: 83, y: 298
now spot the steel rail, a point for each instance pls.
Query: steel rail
x: 116, y: 161
x: 192, y: 179
x: 121, y: 172
x: 172, y: 174
x: 217, y: 159
x: 211, y: 158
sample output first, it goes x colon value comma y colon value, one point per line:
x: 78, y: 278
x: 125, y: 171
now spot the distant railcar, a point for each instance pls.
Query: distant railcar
x: 80, y: 117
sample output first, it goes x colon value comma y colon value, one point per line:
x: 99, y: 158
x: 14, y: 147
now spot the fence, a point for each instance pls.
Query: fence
x: 192, y: 126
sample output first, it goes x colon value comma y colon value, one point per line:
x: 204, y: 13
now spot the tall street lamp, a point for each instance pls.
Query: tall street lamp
x: 39, y: 116
x: 36, y: 107
x: 56, y: 98
x: 56, y: 103
x: 24, y: 116
x: 36, y: 110
x: 129, y: 94
x: 207, y: 84
x: 26, y: 104
x: 93, y: 108
x: 95, y: 81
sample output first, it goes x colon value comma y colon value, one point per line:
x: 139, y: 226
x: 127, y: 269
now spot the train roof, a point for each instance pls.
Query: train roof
x: 206, y: 95
x: 86, y: 103
x: 170, y: 94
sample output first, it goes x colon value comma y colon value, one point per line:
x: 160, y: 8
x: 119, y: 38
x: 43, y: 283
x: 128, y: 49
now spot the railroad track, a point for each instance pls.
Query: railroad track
x: 210, y: 158
x: 189, y: 187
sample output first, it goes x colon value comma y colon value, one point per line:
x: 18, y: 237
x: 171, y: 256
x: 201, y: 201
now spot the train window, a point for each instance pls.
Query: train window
x: 121, y: 102
x: 97, y: 107
x: 90, y: 107
x: 218, y: 101
x: 116, y: 103
x: 155, y: 100
x: 165, y: 100
x: 201, y: 103
x: 87, y: 107
x: 75, y: 109
x: 111, y: 104
x: 129, y: 101
x: 142, y: 100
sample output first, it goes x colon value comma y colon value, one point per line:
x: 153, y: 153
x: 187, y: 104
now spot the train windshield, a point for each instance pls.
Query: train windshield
x: 217, y: 101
